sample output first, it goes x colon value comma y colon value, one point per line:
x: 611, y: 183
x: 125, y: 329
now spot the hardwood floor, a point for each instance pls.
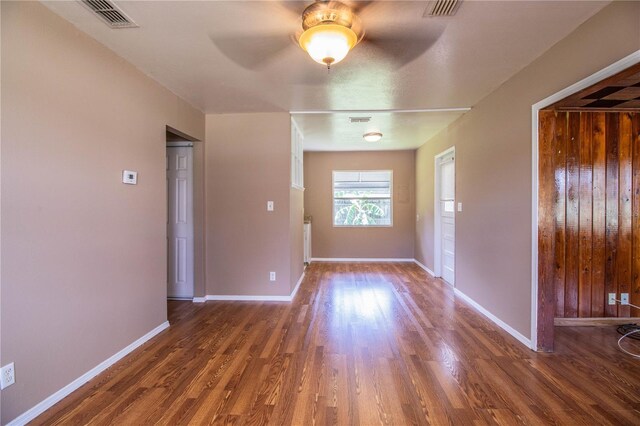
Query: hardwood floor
x: 361, y: 344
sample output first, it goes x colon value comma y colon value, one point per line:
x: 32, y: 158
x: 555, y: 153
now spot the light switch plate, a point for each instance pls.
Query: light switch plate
x: 459, y: 207
x: 269, y: 206
x: 129, y: 177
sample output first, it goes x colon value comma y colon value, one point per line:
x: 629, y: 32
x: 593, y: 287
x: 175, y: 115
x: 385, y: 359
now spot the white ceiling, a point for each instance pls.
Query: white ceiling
x: 335, y: 132
x: 207, y: 52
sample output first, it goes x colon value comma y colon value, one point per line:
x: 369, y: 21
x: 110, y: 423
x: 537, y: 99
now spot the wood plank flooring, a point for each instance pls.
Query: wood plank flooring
x: 361, y: 344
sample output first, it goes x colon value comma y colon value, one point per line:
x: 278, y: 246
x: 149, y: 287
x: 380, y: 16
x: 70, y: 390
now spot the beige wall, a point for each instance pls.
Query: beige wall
x: 84, y: 257
x: 493, y: 166
x: 248, y: 164
x: 336, y: 242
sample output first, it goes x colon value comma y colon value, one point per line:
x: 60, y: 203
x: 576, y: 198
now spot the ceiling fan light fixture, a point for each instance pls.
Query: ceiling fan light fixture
x: 328, y: 44
x: 372, y: 136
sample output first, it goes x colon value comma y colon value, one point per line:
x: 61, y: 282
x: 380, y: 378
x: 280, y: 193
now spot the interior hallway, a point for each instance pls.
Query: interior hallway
x: 361, y: 344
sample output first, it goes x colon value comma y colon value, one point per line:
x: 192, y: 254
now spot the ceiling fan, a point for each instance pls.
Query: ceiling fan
x: 328, y: 30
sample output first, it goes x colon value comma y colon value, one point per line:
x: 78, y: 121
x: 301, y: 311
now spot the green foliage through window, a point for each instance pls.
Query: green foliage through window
x: 362, y: 198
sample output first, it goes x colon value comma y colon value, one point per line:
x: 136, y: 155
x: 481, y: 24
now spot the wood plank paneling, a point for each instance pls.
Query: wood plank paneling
x: 585, y: 220
x: 560, y: 177
x: 635, y: 208
x: 598, y: 217
x: 624, y: 209
x: 572, y: 255
x: 546, y: 232
x: 589, y: 230
x: 611, y: 212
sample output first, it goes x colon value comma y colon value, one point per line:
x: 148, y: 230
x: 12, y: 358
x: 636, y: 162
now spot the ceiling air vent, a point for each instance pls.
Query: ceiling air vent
x: 359, y: 119
x: 442, y: 8
x: 111, y: 14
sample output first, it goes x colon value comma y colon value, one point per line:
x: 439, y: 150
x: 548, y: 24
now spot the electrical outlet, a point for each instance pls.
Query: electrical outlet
x: 612, y: 298
x: 272, y: 276
x: 7, y: 375
x: 624, y: 298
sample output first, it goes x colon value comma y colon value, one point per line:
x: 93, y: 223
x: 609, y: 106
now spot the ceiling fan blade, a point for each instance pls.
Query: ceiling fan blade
x: 295, y: 7
x: 357, y: 6
x: 252, y: 52
x: 401, y: 49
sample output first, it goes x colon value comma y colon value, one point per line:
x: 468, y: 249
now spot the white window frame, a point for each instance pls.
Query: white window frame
x: 333, y: 213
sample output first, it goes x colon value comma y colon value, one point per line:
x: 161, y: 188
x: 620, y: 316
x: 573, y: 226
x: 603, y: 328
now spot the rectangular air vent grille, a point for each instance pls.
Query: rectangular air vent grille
x: 442, y: 8
x: 110, y: 13
x: 359, y: 119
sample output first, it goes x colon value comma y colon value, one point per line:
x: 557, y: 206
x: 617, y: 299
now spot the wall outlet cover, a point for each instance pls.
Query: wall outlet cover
x: 7, y: 375
x: 624, y: 298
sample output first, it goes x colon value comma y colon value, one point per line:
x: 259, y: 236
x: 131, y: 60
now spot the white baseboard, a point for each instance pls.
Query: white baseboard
x: 429, y: 271
x: 199, y: 299
x: 295, y: 289
x: 50, y: 401
x: 360, y: 259
x: 506, y: 327
x: 256, y: 298
x: 252, y: 298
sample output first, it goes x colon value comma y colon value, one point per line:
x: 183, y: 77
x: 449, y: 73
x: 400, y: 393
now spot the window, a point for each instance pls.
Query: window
x: 296, y: 156
x: 362, y: 198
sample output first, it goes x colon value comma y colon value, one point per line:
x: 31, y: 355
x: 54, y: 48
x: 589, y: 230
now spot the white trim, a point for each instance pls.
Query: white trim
x: 506, y: 327
x: 437, y: 225
x: 244, y: 297
x: 295, y: 289
x: 200, y: 299
x: 360, y: 259
x: 256, y: 298
x: 429, y: 271
x: 380, y: 111
x: 53, y: 399
x: 295, y: 124
x: 612, y: 69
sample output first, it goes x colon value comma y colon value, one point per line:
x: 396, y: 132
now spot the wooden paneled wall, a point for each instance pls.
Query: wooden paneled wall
x: 589, y: 213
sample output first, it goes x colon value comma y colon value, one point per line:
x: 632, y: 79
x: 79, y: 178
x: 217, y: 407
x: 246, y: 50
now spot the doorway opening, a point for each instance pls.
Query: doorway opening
x: 445, y: 222
x: 585, y: 203
x: 180, y: 217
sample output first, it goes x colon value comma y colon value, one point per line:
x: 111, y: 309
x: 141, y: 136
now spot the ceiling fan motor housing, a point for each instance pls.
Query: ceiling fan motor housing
x: 327, y: 12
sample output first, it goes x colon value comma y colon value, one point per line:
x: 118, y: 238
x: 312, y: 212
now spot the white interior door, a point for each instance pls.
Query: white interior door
x: 447, y: 217
x: 180, y: 222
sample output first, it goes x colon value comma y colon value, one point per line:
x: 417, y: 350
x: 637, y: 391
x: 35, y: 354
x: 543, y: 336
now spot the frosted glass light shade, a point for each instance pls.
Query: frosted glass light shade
x: 328, y: 44
x: 372, y: 136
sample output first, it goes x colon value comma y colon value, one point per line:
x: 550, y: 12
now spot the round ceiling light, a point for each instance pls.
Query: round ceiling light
x: 372, y: 136
x: 331, y: 30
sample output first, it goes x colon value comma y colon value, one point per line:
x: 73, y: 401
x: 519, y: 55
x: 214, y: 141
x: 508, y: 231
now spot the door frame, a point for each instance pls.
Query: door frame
x: 199, y: 270
x: 437, y: 240
x: 546, y: 323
